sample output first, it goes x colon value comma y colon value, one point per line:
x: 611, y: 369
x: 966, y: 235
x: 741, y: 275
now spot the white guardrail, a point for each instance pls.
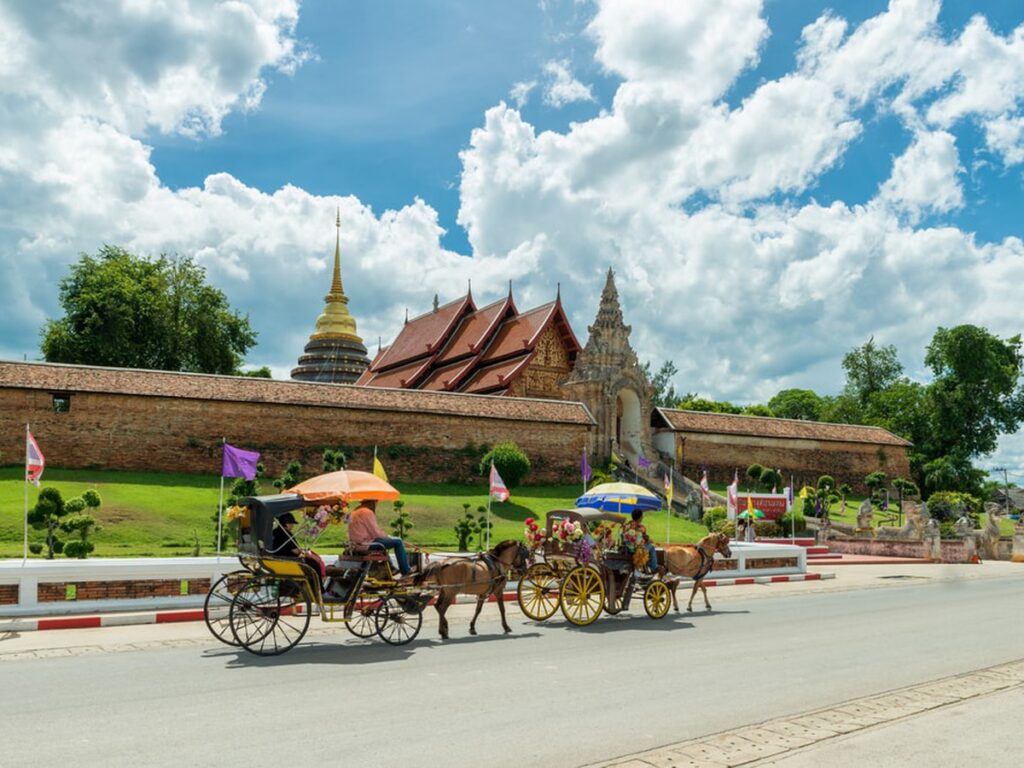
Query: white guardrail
x: 28, y: 575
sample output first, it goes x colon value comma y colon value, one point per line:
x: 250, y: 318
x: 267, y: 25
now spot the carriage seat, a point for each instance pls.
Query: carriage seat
x: 617, y: 561
x: 372, y: 552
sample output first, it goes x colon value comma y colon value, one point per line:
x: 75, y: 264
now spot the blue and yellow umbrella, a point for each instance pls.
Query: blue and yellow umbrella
x: 619, y: 497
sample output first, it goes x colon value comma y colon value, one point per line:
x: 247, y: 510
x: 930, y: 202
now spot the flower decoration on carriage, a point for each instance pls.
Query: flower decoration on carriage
x: 640, y: 557
x: 604, y: 536
x: 569, y: 531
x: 634, y: 535
x: 235, y: 512
x: 585, y: 550
x: 535, y: 535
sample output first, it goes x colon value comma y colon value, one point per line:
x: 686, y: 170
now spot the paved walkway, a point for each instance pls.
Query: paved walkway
x: 946, y: 722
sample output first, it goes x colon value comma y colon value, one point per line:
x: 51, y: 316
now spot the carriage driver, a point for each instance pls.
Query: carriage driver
x: 364, y: 531
x: 652, y: 555
x: 285, y: 545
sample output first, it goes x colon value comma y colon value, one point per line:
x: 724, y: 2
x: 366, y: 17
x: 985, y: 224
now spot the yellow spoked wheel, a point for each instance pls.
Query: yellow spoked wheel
x: 582, y: 595
x: 657, y: 599
x: 538, y: 593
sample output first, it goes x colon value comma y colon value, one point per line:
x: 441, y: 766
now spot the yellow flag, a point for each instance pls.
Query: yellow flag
x: 616, y: 461
x: 803, y: 492
x: 378, y: 469
x: 750, y: 506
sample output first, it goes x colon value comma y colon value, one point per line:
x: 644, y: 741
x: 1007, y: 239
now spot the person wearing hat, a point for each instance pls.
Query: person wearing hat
x: 285, y: 545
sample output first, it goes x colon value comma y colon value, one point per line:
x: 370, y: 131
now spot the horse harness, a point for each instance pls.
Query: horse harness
x: 707, y: 562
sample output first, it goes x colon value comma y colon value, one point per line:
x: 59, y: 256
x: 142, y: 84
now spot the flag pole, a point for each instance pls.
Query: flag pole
x: 487, y: 532
x: 24, y: 557
x: 792, y: 512
x: 220, y: 506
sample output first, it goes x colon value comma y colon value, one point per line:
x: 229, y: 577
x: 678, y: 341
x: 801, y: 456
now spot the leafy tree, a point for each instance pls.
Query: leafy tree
x: 402, y: 523
x: 512, y: 464
x: 80, y: 522
x: 713, y: 516
x: 875, y: 483
x: 947, y: 506
x: 664, y: 392
x: 975, y: 395
x: 333, y: 460
x: 844, y: 491
x: 257, y: 373
x: 289, y: 477
x: 802, y: 404
x: 869, y: 369
x: 709, y: 406
x: 483, y: 525
x: 770, y: 478
x: 465, y: 527
x: 129, y: 312
x: 953, y: 473
x: 842, y: 409
x: 46, y: 516
x: 754, y: 473
x: 827, y: 482
x: 756, y: 409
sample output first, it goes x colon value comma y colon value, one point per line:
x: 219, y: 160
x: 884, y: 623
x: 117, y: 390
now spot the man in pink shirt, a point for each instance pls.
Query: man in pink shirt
x: 364, y: 531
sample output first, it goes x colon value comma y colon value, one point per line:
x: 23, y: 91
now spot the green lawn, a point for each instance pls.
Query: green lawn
x: 159, y: 514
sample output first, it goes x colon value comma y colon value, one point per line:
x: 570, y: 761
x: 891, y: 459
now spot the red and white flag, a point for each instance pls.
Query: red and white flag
x: 704, y: 485
x: 34, y: 461
x: 498, y: 489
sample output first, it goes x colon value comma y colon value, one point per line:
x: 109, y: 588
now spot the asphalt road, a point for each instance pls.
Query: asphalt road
x: 546, y: 695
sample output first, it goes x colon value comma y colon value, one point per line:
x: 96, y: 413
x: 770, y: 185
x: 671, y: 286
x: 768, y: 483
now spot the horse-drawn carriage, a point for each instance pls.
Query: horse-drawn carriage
x: 266, y: 606
x: 594, y: 572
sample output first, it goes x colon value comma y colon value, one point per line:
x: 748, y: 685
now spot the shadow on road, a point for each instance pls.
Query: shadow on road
x: 349, y: 651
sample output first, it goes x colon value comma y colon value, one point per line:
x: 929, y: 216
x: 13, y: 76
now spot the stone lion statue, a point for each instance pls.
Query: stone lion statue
x: 988, y: 539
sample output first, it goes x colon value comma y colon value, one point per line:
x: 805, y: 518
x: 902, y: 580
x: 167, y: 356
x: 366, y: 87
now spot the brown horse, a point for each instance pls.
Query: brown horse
x: 482, y: 575
x: 695, y: 562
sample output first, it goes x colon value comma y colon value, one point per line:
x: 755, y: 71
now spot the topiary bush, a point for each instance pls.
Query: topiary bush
x: 512, y: 464
x: 713, y: 516
x: 785, y: 522
x: 947, y: 505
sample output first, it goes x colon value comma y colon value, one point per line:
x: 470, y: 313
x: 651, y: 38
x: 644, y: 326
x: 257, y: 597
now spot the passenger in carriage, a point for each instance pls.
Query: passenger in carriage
x: 285, y: 545
x: 637, y: 523
x: 363, y: 531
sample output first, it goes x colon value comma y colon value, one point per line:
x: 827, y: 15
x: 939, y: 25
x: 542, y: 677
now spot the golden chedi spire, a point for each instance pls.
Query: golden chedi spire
x: 336, y: 321
x: 335, y: 352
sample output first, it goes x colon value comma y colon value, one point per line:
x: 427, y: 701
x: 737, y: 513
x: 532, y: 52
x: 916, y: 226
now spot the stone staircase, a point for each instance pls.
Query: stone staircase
x: 815, y: 552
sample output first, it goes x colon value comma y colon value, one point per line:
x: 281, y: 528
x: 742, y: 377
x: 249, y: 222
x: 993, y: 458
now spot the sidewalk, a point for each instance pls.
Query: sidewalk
x: 944, y: 722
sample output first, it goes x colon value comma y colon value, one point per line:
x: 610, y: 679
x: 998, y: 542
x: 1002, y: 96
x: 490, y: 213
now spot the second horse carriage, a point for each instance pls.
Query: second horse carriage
x: 266, y: 607
x: 586, y: 566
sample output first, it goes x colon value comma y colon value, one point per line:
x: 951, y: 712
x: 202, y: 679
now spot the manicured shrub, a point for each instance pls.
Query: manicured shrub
x: 512, y: 464
x: 712, y: 516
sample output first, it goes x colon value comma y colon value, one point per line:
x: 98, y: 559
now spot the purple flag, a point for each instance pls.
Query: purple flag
x: 585, y: 467
x: 239, y: 463
x: 642, y: 462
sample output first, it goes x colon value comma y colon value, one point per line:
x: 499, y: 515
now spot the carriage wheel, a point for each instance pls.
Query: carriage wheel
x: 657, y: 599
x: 538, y: 593
x: 398, y: 622
x: 362, y: 621
x: 266, y: 622
x: 582, y: 595
x: 218, y: 604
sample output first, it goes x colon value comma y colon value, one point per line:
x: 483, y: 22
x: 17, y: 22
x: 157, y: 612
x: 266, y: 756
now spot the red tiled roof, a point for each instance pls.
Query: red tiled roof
x: 494, y: 376
x: 447, y: 378
x: 423, y: 335
x: 762, y: 426
x: 519, y: 333
x: 54, y: 377
x: 402, y: 376
x: 474, y: 330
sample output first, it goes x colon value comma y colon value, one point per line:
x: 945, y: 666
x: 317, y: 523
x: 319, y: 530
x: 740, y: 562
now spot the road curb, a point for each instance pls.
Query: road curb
x: 196, y: 614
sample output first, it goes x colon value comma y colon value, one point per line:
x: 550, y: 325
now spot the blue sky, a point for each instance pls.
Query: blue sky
x: 774, y: 181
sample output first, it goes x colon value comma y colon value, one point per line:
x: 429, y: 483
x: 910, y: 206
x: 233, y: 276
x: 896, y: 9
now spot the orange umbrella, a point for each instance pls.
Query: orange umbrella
x: 345, y: 485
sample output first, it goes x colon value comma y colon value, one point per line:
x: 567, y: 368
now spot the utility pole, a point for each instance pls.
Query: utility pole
x: 1006, y: 490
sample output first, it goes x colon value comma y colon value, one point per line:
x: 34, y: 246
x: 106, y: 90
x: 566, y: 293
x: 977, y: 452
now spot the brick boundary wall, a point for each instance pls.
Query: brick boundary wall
x: 56, y: 592
x: 755, y: 563
x: 178, y: 434
x: 8, y: 594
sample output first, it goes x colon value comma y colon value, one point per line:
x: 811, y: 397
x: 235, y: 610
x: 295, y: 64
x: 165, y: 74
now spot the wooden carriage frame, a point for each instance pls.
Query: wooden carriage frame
x: 582, y: 590
x: 266, y: 606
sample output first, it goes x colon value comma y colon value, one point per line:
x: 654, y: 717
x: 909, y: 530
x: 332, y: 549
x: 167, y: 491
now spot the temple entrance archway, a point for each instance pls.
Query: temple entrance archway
x: 628, y: 423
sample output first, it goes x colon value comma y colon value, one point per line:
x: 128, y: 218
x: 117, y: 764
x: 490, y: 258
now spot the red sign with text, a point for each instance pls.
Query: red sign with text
x: 772, y: 504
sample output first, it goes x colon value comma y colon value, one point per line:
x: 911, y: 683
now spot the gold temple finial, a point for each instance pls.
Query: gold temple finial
x: 336, y: 321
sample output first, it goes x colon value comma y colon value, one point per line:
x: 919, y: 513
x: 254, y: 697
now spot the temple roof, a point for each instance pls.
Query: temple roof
x: 458, y: 347
x: 767, y: 426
